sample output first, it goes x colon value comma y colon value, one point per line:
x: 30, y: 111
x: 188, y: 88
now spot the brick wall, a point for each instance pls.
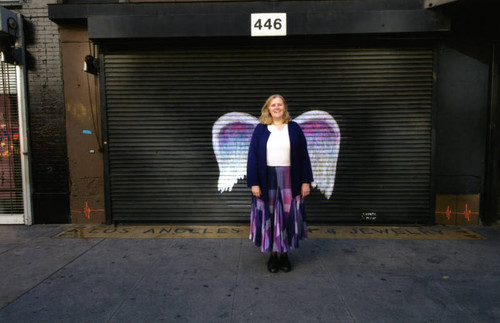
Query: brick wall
x: 46, y: 115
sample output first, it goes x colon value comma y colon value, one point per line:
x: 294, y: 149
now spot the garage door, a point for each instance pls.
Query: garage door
x: 161, y: 105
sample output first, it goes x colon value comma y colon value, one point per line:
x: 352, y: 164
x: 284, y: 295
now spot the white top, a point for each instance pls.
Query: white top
x: 278, y: 147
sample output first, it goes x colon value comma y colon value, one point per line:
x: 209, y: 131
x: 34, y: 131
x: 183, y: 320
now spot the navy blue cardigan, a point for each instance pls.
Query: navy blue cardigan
x: 300, y: 164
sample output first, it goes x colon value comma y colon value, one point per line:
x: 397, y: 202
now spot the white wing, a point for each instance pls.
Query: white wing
x: 231, y: 136
x: 323, y: 142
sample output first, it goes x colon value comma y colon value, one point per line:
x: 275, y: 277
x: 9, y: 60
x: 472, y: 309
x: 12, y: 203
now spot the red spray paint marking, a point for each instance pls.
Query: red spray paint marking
x: 87, y: 210
x: 467, y: 213
x: 447, y: 212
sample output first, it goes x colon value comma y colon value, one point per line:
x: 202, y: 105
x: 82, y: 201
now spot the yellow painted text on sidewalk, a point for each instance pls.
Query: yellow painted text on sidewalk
x: 241, y: 231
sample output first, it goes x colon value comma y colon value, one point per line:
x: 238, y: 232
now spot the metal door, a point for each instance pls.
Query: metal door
x: 161, y: 105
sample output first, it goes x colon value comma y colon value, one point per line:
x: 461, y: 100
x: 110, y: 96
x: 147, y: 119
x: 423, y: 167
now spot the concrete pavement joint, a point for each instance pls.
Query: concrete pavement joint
x: 10, y: 249
x: 50, y: 275
x: 330, y: 277
x: 134, y: 288
x: 236, y: 283
x: 26, y: 241
x: 125, y: 298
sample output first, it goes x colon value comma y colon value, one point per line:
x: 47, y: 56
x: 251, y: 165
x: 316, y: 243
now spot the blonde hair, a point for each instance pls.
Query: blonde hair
x: 265, y: 115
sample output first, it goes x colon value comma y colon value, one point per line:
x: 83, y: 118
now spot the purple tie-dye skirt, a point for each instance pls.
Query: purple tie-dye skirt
x: 280, y: 224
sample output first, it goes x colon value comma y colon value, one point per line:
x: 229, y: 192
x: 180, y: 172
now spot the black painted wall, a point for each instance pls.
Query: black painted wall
x: 491, y: 201
x: 47, y: 122
x: 461, y: 115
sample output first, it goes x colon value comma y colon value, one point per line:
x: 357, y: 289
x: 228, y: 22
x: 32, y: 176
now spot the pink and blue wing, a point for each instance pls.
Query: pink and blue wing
x: 235, y: 136
x: 323, y: 140
x: 231, y: 135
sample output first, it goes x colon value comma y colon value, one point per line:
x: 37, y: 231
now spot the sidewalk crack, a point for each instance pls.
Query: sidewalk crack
x: 236, y: 283
x: 134, y: 288
x: 332, y: 279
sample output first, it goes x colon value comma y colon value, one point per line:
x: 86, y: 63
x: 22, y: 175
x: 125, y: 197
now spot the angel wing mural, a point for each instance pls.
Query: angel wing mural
x: 231, y: 135
x: 323, y: 142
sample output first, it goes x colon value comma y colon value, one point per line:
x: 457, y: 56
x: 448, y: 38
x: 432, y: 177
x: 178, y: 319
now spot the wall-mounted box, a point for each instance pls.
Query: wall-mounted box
x: 8, y: 23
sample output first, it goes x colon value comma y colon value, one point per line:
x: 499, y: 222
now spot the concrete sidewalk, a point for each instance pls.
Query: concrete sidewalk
x: 46, y: 279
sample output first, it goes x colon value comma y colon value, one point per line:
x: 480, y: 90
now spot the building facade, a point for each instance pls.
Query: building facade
x: 37, y: 163
x: 398, y: 101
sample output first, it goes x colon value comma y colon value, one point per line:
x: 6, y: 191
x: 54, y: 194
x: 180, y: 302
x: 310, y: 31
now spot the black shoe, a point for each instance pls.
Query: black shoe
x: 285, y: 263
x: 273, y: 263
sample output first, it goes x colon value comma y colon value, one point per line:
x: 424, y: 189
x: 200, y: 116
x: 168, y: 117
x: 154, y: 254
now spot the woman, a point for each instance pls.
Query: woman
x: 279, y: 173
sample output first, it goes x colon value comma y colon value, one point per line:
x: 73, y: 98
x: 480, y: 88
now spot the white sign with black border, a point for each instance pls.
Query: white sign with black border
x: 268, y: 24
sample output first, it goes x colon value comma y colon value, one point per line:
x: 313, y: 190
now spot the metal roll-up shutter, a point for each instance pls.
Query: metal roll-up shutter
x: 161, y: 106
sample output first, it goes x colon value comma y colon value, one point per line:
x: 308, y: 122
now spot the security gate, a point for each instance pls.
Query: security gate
x: 161, y: 105
x: 11, y: 180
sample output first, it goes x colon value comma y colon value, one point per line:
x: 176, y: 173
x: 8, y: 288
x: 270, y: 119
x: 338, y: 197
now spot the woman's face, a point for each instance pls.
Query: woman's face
x: 277, y: 109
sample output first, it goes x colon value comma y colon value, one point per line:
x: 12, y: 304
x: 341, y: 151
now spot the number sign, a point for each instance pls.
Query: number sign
x: 268, y: 24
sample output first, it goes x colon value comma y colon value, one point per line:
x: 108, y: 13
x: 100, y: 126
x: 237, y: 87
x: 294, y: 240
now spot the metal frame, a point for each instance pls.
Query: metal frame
x: 24, y: 129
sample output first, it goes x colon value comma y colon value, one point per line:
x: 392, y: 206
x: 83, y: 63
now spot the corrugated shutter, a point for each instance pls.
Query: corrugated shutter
x: 161, y: 106
x: 11, y: 191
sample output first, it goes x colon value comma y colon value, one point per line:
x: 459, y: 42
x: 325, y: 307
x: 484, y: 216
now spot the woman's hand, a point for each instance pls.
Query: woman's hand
x: 305, y: 189
x: 256, y: 191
